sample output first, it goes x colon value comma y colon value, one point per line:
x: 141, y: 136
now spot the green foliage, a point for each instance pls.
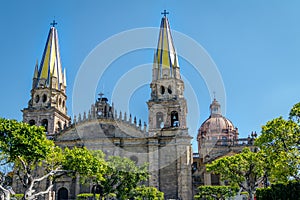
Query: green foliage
x: 147, y: 193
x: 287, y: 191
x: 216, y: 192
x: 20, y: 140
x: 122, y: 176
x: 17, y: 196
x: 89, y: 164
x: 280, y: 142
x: 85, y: 196
x: 245, y: 169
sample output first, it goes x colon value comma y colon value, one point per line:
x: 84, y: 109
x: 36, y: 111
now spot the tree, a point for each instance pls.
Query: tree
x: 215, y: 192
x: 27, y: 147
x: 89, y: 165
x: 123, y: 176
x: 147, y: 193
x: 245, y: 169
x: 36, y: 159
x: 280, y: 142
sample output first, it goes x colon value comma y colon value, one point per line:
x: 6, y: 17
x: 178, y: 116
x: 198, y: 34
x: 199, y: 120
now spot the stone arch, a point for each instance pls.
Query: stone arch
x: 37, y: 98
x: 162, y: 89
x: 174, y: 119
x: 134, y: 159
x: 159, y: 119
x: 170, y: 89
x: 62, y: 194
x: 59, y: 126
x: 45, y: 124
x: 31, y: 122
x: 44, y: 98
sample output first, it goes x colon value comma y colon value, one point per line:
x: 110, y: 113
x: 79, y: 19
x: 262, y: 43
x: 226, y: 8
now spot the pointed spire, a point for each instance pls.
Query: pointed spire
x: 50, y: 66
x: 36, y: 70
x: 165, y: 57
x: 65, y: 77
x: 35, y: 75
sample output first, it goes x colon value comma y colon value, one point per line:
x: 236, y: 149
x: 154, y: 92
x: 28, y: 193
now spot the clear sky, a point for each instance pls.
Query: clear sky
x: 255, y: 45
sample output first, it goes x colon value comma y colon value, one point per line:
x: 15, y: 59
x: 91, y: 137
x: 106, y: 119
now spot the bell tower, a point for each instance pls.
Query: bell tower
x: 167, y: 106
x: 47, y: 105
x: 171, y: 153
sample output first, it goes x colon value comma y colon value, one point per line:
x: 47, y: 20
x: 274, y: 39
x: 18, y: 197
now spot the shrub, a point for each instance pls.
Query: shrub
x: 17, y: 196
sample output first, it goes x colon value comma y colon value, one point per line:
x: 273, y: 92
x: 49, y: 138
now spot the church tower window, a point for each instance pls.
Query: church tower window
x: 37, y: 98
x: 45, y: 124
x: 159, y: 120
x: 44, y: 98
x: 162, y: 89
x: 169, y: 89
x: 174, y: 119
x: 59, y: 126
x: 31, y: 122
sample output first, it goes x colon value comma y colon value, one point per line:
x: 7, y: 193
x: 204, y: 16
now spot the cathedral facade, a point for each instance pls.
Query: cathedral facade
x: 165, y: 144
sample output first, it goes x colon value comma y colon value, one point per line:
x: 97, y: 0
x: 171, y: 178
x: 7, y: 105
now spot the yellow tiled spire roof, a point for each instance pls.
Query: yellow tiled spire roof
x: 50, y: 67
x: 165, y: 56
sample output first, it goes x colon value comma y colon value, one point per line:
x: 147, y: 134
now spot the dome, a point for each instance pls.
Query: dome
x: 217, y: 127
x: 216, y: 124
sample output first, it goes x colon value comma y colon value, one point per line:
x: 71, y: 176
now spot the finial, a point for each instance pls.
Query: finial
x: 165, y: 13
x: 53, y: 23
x: 101, y: 94
x: 214, y: 95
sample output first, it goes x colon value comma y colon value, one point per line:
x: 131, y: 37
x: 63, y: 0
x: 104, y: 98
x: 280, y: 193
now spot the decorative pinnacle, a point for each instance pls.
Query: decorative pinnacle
x: 101, y: 94
x: 53, y: 23
x: 165, y: 13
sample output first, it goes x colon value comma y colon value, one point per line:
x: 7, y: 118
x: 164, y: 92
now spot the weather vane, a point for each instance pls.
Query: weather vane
x: 165, y: 13
x: 53, y: 23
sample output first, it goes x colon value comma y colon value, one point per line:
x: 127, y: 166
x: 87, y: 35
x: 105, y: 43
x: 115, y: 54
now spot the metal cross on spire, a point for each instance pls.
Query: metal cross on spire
x: 53, y: 23
x: 165, y: 13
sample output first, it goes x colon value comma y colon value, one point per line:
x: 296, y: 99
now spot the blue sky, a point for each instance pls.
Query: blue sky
x: 255, y: 45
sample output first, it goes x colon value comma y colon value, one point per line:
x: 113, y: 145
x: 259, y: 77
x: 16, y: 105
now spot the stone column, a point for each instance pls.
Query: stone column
x: 207, y: 178
x: 77, y: 185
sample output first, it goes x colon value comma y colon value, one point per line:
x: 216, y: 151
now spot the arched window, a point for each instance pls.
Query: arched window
x: 59, y: 126
x: 134, y: 159
x: 37, y: 98
x: 31, y: 122
x: 44, y: 98
x: 174, y: 119
x: 170, y: 89
x: 62, y: 194
x: 162, y: 89
x: 45, y: 124
x: 159, y: 120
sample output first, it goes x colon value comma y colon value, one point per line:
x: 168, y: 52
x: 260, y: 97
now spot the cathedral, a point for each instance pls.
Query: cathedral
x: 164, y: 142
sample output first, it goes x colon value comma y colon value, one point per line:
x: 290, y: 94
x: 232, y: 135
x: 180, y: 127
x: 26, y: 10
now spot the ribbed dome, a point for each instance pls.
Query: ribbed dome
x: 217, y: 126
